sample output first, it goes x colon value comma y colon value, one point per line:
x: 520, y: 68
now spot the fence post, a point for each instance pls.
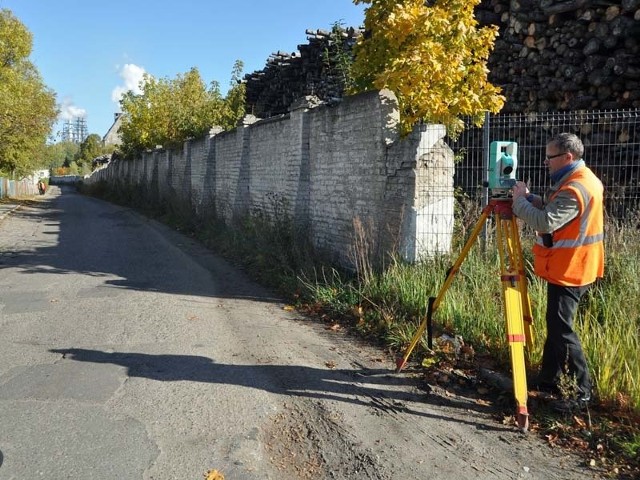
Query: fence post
x: 485, y: 175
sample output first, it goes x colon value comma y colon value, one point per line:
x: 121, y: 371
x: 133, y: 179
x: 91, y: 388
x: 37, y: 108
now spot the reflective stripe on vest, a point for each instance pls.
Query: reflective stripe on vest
x: 582, y: 239
x: 586, y: 240
x: 577, y: 254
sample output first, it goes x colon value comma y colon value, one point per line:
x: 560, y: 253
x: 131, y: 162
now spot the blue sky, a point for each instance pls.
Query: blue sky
x: 88, y: 51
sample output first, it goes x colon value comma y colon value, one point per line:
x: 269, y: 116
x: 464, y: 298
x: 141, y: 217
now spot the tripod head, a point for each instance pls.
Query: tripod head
x: 503, y: 161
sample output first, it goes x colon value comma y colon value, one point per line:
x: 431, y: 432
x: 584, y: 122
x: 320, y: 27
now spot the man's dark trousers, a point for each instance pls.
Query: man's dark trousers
x: 562, y: 348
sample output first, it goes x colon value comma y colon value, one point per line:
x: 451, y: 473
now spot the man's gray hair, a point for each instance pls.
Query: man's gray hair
x: 568, y: 142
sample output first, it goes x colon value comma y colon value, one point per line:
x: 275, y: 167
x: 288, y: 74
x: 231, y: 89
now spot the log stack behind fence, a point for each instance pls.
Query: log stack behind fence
x: 571, y: 65
x: 612, y: 149
x: 550, y: 56
x: 565, y: 55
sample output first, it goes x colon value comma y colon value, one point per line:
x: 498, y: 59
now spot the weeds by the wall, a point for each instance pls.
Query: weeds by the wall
x: 608, y: 320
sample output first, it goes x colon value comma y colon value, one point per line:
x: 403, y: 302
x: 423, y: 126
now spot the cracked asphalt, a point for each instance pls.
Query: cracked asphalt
x: 129, y: 351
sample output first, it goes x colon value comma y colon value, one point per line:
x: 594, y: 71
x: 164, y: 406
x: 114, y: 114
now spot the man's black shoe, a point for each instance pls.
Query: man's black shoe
x: 570, y: 405
x: 544, y: 387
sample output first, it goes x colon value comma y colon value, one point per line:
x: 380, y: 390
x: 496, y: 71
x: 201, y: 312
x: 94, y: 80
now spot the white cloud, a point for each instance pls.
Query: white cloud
x: 68, y: 111
x: 132, y: 76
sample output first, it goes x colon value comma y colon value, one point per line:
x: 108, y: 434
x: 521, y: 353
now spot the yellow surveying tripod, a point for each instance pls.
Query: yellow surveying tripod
x: 517, y: 305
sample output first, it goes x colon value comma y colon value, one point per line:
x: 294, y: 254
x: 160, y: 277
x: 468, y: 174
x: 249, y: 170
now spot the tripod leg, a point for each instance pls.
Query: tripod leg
x: 527, y: 315
x: 512, y: 297
x: 401, y: 362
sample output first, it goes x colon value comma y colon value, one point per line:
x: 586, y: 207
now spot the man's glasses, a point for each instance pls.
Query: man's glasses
x: 547, y: 157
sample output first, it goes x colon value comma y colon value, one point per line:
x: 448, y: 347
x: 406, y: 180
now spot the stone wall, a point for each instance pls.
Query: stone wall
x: 337, y: 171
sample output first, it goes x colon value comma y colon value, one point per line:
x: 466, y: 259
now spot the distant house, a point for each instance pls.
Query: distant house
x: 112, y: 137
x: 38, y: 174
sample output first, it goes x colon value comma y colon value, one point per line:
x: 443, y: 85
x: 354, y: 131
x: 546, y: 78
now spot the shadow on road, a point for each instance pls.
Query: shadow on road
x: 366, y: 387
x: 95, y: 238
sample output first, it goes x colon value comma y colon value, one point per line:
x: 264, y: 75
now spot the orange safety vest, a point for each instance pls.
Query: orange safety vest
x: 576, y: 257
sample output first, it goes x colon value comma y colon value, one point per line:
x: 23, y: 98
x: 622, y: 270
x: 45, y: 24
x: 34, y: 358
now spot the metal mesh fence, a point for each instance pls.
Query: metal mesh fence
x: 612, y: 150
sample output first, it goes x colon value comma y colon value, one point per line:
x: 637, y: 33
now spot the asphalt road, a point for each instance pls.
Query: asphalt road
x: 128, y: 351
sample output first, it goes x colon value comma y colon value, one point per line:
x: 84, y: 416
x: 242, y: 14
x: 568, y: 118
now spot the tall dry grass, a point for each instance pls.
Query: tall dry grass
x: 392, y: 303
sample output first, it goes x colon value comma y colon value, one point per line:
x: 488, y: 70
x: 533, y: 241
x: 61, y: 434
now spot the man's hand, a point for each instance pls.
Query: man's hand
x: 520, y: 189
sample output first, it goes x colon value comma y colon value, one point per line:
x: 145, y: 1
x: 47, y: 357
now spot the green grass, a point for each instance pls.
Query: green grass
x: 609, y: 322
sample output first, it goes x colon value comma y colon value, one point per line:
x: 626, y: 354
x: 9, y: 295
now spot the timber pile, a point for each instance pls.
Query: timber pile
x: 287, y: 77
x: 565, y: 55
x: 572, y: 55
x: 550, y: 55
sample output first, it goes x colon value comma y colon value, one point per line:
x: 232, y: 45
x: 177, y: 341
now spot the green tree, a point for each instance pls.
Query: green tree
x: 73, y: 169
x: 169, y: 111
x: 337, y: 59
x: 432, y: 55
x: 91, y: 148
x: 234, y: 104
x: 58, y: 154
x: 27, y: 106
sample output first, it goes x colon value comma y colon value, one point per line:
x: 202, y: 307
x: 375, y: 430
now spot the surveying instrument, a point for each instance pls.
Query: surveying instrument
x: 517, y: 305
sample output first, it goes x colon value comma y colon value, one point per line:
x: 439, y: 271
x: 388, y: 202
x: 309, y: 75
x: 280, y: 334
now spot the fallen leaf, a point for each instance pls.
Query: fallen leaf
x: 447, y: 348
x: 213, y: 475
x: 429, y: 362
x: 288, y: 308
x: 581, y: 423
x: 551, y: 438
x: 579, y: 442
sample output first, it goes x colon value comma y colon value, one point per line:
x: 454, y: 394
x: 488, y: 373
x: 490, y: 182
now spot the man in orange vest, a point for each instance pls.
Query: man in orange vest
x: 568, y: 254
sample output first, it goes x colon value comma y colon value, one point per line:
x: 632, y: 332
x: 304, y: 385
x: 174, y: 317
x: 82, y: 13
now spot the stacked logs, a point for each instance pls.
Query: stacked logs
x: 550, y: 55
x: 312, y: 70
x: 565, y: 55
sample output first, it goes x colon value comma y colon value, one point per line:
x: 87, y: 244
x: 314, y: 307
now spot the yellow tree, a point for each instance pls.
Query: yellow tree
x: 235, y: 101
x: 432, y: 55
x: 27, y: 105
